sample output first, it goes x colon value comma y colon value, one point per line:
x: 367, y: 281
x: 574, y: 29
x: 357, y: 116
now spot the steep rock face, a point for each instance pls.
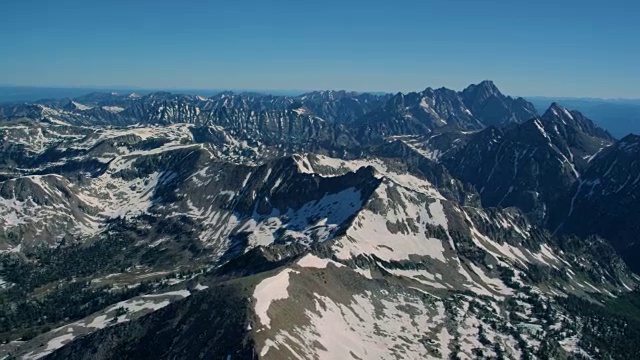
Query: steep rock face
x: 403, y: 157
x: 402, y: 114
x: 531, y: 165
x: 442, y: 109
x: 574, y: 120
x: 576, y: 137
x: 492, y: 107
x: 209, y: 324
x: 340, y: 106
x: 605, y: 199
x: 272, y: 121
x: 38, y: 209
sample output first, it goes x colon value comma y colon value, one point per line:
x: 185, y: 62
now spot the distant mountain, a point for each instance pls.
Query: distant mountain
x: 21, y: 94
x: 317, y: 116
x: 442, y: 109
x: 494, y: 108
x: 340, y: 106
x: 528, y: 165
x: 619, y: 117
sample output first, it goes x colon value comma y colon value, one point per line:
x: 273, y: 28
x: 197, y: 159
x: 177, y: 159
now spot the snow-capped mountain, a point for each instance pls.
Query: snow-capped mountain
x: 438, y: 224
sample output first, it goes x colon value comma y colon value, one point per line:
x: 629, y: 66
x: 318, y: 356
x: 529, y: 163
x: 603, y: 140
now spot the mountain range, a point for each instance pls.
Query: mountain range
x: 333, y: 224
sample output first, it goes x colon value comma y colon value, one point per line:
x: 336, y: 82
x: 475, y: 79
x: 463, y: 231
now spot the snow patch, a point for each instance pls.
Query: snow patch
x: 312, y: 261
x: 269, y: 290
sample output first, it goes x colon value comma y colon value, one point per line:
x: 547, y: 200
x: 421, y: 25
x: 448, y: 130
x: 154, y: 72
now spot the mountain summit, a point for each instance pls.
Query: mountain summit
x: 493, y: 107
x: 559, y: 115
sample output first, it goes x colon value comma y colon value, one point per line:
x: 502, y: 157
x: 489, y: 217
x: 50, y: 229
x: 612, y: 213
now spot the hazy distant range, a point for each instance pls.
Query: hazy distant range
x: 19, y: 94
x: 619, y: 116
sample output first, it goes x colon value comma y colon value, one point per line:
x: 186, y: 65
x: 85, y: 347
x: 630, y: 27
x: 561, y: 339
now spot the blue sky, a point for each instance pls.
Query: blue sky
x: 553, y: 48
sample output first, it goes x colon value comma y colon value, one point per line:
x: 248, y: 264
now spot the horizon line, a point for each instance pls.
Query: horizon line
x: 290, y: 91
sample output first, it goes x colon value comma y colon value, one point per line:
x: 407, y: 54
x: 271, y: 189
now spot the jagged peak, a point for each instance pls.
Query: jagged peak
x: 428, y: 90
x: 488, y: 84
x: 155, y: 95
x: 557, y: 112
x: 330, y: 95
x: 559, y: 115
x: 486, y: 87
x: 560, y: 111
x: 224, y: 94
x: 441, y: 92
x: 631, y: 138
x: 630, y: 143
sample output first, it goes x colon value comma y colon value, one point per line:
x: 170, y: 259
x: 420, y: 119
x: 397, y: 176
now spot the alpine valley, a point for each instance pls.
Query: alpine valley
x: 331, y: 225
